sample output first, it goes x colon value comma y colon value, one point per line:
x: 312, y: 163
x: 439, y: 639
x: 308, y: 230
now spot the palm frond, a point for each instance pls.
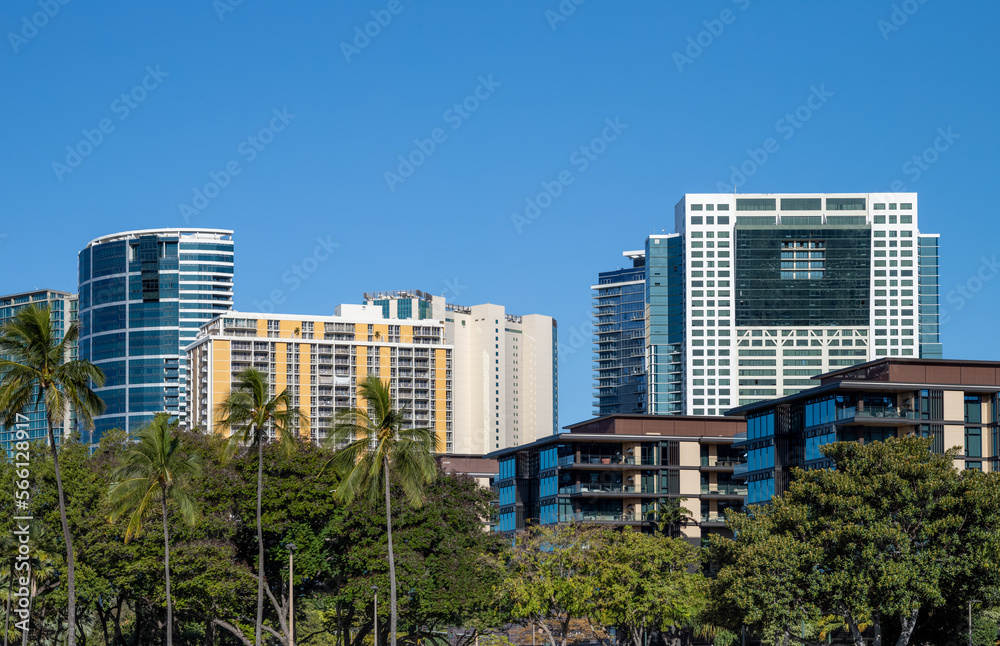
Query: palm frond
x: 248, y: 412
x: 372, y: 444
x: 153, y: 467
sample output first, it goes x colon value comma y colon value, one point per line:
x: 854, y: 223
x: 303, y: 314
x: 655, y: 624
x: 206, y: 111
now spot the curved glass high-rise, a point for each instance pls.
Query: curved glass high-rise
x: 143, y: 296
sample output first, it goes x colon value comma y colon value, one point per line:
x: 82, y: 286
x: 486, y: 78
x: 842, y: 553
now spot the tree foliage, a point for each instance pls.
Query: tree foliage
x: 448, y: 564
x: 893, y: 534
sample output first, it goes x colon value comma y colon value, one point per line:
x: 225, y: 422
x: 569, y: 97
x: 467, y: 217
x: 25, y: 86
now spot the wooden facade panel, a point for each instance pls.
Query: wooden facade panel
x: 666, y: 425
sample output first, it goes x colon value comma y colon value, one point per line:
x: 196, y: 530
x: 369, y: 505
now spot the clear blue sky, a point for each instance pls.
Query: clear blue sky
x: 448, y: 226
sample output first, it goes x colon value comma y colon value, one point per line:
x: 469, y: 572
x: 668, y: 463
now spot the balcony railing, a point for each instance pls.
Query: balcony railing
x: 616, y: 459
x: 593, y: 487
x: 724, y: 490
x: 605, y: 517
x: 603, y: 488
x: 716, y: 462
x: 886, y: 411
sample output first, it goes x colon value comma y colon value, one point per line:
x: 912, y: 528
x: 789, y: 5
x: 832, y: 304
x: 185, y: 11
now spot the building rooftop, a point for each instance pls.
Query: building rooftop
x: 216, y: 234
x: 32, y: 292
x: 619, y: 427
x: 890, y: 373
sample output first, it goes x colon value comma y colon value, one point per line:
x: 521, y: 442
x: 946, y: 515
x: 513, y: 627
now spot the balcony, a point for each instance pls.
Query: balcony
x: 723, y: 463
x: 598, y: 488
x: 878, y: 415
x: 724, y: 490
x: 889, y: 412
x: 605, y: 517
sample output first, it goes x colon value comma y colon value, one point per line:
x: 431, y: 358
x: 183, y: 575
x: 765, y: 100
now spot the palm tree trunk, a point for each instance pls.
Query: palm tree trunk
x: 166, y: 569
x: 392, y: 560
x: 260, y: 540
x: 10, y: 591
x: 70, y: 561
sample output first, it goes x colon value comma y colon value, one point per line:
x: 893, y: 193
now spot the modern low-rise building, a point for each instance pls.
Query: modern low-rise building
x: 755, y: 294
x: 479, y: 468
x: 62, y: 313
x: 957, y: 403
x: 620, y: 470
x: 321, y: 360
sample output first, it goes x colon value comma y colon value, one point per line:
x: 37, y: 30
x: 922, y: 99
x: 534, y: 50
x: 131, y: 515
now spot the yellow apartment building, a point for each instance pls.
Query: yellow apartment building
x: 321, y: 360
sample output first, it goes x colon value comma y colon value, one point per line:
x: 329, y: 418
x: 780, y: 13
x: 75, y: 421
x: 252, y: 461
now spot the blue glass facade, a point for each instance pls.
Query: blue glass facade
x: 929, y: 303
x: 63, y: 313
x: 664, y: 324
x: 619, y: 343
x: 143, y: 296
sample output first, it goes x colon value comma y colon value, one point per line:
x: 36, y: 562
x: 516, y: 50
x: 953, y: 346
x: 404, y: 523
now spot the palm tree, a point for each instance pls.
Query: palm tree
x: 248, y: 412
x: 373, y: 447
x: 155, y: 467
x: 34, y: 370
x: 8, y: 552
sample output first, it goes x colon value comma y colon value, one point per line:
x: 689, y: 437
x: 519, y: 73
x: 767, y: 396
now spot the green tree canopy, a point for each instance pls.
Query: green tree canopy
x: 892, y: 534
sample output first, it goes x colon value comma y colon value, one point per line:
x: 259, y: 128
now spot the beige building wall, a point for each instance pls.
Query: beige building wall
x: 505, y: 369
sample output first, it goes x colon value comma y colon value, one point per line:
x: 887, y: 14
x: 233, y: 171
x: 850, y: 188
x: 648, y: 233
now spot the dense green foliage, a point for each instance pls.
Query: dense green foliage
x: 35, y: 369
x: 638, y: 584
x: 895, y: 540
x: 374, y: 447
x: 447, y: 563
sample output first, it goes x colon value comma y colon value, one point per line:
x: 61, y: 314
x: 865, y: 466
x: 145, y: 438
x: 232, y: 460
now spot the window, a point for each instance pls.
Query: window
x: 973, y: 409
x: 721, y: 207
x: 801, y: 204
x: 696, y: 207
x: 879, y: 206
x: 845, y: 204
x: 906, y: 206
x: 696, y: 219
x: 802, y: 259
x: 973, y: 442
x: 755, y: 204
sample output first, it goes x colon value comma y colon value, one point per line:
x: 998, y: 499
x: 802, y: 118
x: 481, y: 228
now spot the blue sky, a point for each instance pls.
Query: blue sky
x: 549, y: 76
